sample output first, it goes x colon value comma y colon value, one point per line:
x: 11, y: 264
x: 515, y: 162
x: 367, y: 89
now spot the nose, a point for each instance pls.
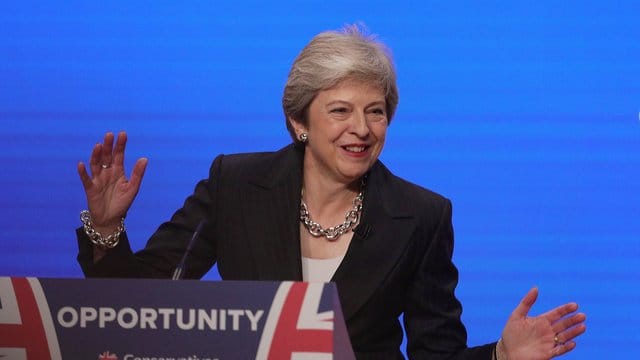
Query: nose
x: 360, y: 125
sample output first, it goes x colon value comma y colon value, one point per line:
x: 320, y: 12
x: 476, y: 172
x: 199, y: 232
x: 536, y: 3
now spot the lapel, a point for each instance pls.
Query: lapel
x: 378, y: 241
x: 271, y: 208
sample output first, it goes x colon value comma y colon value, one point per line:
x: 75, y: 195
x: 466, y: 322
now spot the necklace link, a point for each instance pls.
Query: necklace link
x: 333, y: 233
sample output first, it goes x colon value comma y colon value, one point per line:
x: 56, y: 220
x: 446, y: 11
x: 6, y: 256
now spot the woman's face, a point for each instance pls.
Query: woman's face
x: 346, y: 130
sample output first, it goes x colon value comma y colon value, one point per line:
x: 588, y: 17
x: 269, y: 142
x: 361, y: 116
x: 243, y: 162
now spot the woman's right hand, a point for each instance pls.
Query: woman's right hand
x: 109, y: 193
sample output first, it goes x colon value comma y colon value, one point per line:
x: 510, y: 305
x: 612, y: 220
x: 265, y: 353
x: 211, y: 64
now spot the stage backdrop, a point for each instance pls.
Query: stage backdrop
x: 526, y: 115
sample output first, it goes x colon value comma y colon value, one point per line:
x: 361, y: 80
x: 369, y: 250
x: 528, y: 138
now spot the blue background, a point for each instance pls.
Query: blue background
x: 525, y: 114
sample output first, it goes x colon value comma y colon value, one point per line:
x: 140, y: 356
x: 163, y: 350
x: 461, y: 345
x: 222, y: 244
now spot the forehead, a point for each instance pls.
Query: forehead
x: 352, y: 90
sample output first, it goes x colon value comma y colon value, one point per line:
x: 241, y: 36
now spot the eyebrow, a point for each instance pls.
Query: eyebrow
x: 379, y: 102
x: 335, y: 102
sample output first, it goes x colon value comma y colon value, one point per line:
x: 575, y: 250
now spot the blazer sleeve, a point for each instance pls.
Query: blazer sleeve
x: 432, y: 316
x: 168, y: 244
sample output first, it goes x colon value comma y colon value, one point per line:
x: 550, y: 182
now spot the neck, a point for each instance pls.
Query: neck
x: 327, y: 196
x: 324, y: 192
x: 329, y: 213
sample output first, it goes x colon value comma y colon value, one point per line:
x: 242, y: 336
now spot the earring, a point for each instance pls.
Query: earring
x: 303, y: 138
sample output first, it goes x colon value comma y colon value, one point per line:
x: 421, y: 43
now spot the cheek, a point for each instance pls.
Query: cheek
x: 380, y: 132
x: 334, y: 131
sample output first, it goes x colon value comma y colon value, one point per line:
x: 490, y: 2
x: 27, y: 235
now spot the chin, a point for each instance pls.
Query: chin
x: 352, y: 175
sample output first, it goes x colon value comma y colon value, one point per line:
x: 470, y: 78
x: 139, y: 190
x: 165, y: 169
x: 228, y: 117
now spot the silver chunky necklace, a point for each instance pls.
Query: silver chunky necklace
x: 334, y: 232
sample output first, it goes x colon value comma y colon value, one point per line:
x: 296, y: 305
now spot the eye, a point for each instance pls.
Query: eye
x: 339, y: 110
x: 376, y: 114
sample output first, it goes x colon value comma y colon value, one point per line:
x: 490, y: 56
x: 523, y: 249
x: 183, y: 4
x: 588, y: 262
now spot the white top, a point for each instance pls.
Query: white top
x: 319, y: 270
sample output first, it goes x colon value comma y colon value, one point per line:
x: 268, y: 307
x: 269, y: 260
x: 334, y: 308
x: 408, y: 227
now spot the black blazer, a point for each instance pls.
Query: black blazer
x: 398, y: 262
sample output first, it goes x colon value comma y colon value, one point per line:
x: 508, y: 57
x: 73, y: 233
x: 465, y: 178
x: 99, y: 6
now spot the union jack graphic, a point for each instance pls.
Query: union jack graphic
x: 26, y: 326
x: 294, y: 328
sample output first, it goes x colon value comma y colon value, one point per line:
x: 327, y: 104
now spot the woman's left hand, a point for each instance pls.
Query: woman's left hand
x: 541, y: 337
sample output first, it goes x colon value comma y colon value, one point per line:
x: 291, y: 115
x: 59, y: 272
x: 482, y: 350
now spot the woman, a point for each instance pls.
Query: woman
x: 273, y: 216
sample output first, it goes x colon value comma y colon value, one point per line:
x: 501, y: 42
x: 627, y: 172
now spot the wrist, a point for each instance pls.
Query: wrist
x: 105, y: 229
x: 95, y: 233
x: 500, y: 352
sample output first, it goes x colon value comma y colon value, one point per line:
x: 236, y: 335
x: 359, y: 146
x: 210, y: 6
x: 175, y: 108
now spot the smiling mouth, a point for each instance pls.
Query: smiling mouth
x: 355, y: 148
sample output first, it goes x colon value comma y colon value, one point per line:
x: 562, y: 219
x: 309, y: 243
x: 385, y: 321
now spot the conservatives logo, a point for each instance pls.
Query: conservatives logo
x: 107, y: 356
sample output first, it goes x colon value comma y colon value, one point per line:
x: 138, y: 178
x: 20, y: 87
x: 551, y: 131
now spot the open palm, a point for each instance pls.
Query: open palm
x: 544, y: 336
x: 109, y: 192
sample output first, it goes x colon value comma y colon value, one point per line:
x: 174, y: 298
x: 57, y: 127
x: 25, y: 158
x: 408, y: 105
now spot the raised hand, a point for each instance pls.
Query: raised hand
x: 544, y: 336
x: 109, y: 192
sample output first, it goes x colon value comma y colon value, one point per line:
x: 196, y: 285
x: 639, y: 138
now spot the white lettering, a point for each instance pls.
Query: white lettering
x: 208, y: 318
x: 105, y: 314
x: 148, y: 318
x: 134, y: 357
x: 235, y: 314
x: 254, y: 318
x: 180, y: 319
x: 87, y: 314
x: 159, y: 318
x: 223, y: 320
x: 67, y: 310
x: 132, y: 314
x: 166, y: 316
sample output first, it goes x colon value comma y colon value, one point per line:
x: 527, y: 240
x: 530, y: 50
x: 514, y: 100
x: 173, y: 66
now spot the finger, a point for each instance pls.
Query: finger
x: 95, y: 160
x: 107, y: 149
x: 138, y: 172
x: 118, y: 151
x: 568, y: 322
x: 554, y: 315
x: 571, y: 333
x: 563, y: 349
x: 526, y: 303
x: 84, y: 176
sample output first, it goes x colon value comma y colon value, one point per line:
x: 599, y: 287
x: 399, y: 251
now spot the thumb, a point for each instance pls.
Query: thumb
x: 526, y: 303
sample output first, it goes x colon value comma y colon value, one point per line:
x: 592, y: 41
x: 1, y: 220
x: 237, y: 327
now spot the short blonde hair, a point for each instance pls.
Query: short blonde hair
x: 334, y: 56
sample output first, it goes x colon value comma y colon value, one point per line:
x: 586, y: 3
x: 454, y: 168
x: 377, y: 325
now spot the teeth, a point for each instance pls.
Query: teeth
x: 355, y: 148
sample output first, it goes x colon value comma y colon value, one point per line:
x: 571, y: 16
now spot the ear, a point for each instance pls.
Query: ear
x: 297, y: 126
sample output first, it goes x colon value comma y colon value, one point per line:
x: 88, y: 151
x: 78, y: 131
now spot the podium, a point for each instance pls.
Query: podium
x: 118, y: 319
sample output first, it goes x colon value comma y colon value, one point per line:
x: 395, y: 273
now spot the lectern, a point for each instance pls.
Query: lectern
x: 135, y: 319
